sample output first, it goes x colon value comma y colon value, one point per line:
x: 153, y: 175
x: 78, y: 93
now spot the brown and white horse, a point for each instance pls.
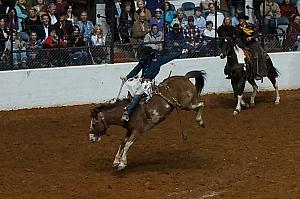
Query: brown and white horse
x: 173, y: 92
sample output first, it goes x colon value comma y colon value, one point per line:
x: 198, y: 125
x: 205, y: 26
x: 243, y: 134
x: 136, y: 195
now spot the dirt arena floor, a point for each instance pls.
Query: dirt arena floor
x: 45, y: 153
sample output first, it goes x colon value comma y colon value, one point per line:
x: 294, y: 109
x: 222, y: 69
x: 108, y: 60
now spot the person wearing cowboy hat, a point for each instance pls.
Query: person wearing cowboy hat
x: 158, y: 20
x: 248, y: 35
x: 150, y: 65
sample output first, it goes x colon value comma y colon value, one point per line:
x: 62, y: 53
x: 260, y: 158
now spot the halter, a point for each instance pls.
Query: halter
x: 100, y: 114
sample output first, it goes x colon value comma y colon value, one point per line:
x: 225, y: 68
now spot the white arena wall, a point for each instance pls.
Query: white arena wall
x: 34, y: 88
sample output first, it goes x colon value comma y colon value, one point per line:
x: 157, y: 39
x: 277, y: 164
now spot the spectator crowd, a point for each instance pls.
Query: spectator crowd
x: 27, y: 31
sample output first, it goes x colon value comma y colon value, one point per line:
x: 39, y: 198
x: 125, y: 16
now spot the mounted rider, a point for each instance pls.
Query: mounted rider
x: 249, y: 36
x: 150, y: 65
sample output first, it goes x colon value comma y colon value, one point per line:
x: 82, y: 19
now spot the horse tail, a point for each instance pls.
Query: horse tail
x: 271, y: 68
x: 199, y: 79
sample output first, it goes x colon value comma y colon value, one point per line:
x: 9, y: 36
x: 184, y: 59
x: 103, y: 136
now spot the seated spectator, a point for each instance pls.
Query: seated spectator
x: 140, y: 28
x: 175, y: 38
x: 209, y: 31
x: 293, y: 34
x: 52, y: 15
x: 153, y: 5
x: 180, y: 20
x: 43, y: 29
x: 126, y: 22
x: 271, y: 14
x: 12, y: 20
x: 32, y: 21
x: 169, y: 14
x: 287, y: 10
x: 211, y: 16
x: 70, y: 15
x: 53, y: 41
x: 98, y: 40
x: 199, y: 20
x: 298, y: 6
x: 41, y: 7
x: 226, y: 29
x: 61, y: 7
x: 154, y: 38
x: 22, y: 14
x: 86, y: 27
x: 4, y: 34
x: 63, y: 27
x: 32, y: 46
x: 142, y: 9
x: 158, y: 20
x: 193, y: 38
x: 19, y: 51
x: 205, y: 9
x: 79, y: 55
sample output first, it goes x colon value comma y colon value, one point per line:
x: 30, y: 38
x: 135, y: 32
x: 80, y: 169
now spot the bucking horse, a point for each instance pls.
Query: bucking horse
x: 176, y: 92
x: 242, y: 69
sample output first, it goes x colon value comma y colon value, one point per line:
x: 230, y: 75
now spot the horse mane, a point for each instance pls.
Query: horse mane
x: 107, y: 106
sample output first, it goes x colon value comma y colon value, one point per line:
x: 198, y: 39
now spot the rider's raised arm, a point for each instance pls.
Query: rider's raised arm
x: 137, y: 69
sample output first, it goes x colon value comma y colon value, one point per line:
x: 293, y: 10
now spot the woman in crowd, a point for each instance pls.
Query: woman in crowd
x: 143, y: 9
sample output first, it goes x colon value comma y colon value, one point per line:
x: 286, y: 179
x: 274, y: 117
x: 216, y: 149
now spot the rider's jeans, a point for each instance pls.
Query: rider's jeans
x: 135, y: 101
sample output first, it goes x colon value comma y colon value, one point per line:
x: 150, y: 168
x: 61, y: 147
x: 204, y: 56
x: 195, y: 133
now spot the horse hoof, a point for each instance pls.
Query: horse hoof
x: 202, y: 125
x: 246, y: 105
x: 252, y: 105
x: 236, y: 112
x: 277, y: 102
x: 121, y: 167
x: 115, y: 164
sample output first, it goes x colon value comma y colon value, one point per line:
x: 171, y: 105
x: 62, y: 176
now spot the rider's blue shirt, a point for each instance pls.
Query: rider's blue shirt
x: 150, y: 68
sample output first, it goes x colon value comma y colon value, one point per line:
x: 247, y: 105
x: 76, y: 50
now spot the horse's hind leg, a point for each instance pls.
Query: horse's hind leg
x: 198, y: 106
x: 254, y: 92
x: 272, y: 78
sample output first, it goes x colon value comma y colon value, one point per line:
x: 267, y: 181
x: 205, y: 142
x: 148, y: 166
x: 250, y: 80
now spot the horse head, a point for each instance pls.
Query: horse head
x: 98, y: 125
x: 227, y: 44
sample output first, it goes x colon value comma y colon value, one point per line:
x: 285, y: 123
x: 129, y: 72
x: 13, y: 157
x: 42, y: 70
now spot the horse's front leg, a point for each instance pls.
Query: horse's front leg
x: 238, y: 107
x: 128, y: 143
x: 118, y: 155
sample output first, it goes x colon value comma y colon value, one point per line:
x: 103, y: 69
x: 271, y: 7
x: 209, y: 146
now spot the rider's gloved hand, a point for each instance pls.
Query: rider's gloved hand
x: 123, y: 78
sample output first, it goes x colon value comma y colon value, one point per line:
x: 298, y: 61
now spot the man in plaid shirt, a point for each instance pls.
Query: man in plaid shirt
x: 192, y: 33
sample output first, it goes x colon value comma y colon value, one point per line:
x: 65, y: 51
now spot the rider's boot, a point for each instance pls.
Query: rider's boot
x: 125, y: 116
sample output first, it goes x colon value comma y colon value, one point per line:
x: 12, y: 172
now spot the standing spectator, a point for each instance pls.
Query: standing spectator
x: 211, y: 16
x: 70, y: 15
x: 41, y: 7
x: 209, y: 31
x: 113, y: 13
x: 287, y: 10
x: 293, y: 34
x: 180, y: 20
x: 154, y: 38
x: 271, y: 14
x: 235, y: 5
x: 32, y: 21
x: 98, y: 41
x: 175, y: 38
x: 169, y: 14
x: 19, y: 51
x: 22, y: 14
x: 199, y: 20
x: 86, y: 27
x: 140, y: 28
x: 4, y: 34
x: 43, y: 30
x: 126, y: 22
x: 61, y: 7
x: 142, y: 9
x: 158, y: 20
x: 63, y: 27
x: 52, y: 15
x: 154, y: 4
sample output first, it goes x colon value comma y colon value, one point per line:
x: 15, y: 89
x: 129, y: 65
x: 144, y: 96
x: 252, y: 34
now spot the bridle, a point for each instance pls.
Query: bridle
x: 101, y: 116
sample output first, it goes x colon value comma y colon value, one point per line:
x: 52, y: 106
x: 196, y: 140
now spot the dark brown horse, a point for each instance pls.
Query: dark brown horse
x: 242, y: 72
x: 174, y: 92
